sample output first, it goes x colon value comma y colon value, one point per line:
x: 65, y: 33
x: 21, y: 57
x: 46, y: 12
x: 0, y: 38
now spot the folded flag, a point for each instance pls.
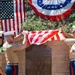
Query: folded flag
x: 40, y: 37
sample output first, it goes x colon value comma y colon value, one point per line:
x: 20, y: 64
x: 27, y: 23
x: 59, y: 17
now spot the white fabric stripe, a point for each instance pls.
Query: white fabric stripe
x: 11, y: 22
x: 37, y: 36
x: 42, y: 38
x: 22, y: 12
x: 58, y: 35
x: 50, y: 39
x: 19, y: 18
x: 29, y: 36
x: 7, y: 23
x: 55, y: 37
x: 22, y: 9
x: 61, y: 36
x: 15, y: 16
x: 52, y: 12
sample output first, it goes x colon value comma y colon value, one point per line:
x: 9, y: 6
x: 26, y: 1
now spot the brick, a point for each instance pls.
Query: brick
x: 60, y: 73
x: 58, y: 59
x: 60, y: 67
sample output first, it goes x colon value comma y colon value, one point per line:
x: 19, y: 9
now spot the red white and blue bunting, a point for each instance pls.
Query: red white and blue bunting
x: 54, y: 10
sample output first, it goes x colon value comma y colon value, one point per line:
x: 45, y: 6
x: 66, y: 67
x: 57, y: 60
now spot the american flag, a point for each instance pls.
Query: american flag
x: 12, y: 15
x: 40, y: 37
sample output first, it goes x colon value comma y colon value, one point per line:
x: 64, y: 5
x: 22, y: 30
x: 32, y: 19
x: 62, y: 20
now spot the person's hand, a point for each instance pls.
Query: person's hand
x: 60, y: 30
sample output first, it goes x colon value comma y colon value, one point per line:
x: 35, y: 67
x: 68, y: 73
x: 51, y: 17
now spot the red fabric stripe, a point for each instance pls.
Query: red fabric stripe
x: 72, y: 69
x: 38, y: 38
x: 5, y: 25
x: 57, y: 36
x: 17, y: 15
x: 9, y: 25
x: 2, y: 25
x: 20, y: 10
x: 34, y: 34
x: 40, y: 32
x: 49, y: 36
x: 30, y: 1
x: 14, y: 70
x: 24, y: 9
x: 32, y: 38
x: 27, y: 38
x: 52, y: 38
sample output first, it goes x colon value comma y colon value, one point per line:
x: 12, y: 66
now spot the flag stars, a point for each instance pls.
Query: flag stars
x: 52, y: 6
x: 60, y: 5
x: 40, y: 1
x: 6, y: 9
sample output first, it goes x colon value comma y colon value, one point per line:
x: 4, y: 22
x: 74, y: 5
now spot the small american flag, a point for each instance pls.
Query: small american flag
x: 12, y: 15
x: 40, y: 37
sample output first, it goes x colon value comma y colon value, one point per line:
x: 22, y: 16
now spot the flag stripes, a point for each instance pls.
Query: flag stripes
x: 40, y: 37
